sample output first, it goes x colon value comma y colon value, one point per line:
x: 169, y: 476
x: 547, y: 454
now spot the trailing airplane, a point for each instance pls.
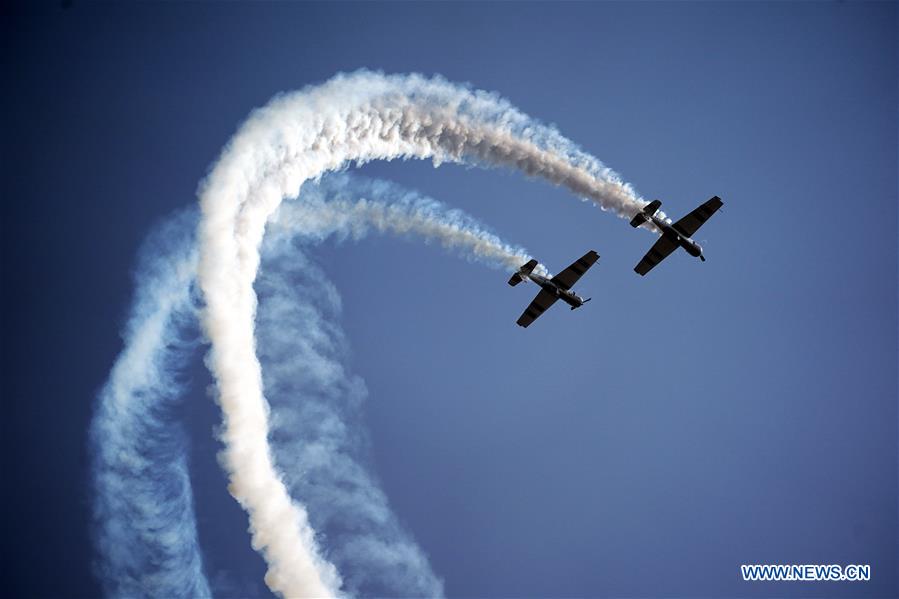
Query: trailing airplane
x: 556, y: 288
x: 673, y: 235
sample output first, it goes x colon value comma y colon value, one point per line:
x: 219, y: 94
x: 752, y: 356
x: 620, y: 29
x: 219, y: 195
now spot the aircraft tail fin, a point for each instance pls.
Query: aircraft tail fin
x: 523, y: 272
x: 648, y: 211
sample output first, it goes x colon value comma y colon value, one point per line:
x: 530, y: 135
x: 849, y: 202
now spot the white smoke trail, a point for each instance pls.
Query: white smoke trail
x: 144, y: 524
x: 352, y: 118
x: 350, y: 206
x: 314, y: 399
x: 144, y: 521
x: 317, y: 442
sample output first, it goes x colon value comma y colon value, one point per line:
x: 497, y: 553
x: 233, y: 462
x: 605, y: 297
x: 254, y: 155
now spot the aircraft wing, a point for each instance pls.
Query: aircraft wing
x: 544, y: 300
x: 568, y: 277
x: 691, y: 223
x: 658, y: 252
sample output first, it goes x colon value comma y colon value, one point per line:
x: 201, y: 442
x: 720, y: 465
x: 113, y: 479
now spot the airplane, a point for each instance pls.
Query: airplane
x: 556, y: 288
x: 673, y: 235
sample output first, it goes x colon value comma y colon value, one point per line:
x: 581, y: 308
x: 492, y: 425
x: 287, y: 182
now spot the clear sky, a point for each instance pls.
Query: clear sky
x: 743, y: 410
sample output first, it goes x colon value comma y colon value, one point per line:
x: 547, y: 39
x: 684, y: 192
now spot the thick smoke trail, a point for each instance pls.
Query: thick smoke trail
x: 145, y: 525
x: 297, y: 137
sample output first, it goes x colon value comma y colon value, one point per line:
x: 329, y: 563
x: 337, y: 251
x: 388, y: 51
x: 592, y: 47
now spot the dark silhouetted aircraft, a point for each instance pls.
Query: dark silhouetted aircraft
x: 556, y: 288
x: 673, y: 235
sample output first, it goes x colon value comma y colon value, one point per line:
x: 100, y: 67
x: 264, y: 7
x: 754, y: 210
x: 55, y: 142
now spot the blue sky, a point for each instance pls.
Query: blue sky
x: 743, y: 410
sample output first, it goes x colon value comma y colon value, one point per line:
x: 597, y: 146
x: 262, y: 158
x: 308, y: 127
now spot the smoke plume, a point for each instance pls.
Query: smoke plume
x: 297, y: 137
x: 145, y: 527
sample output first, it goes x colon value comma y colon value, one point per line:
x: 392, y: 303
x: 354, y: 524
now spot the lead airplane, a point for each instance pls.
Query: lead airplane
x: 556, y: 288
x: 673, y: 235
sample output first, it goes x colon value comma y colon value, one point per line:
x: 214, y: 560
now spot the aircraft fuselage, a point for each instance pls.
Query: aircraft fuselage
x: 684, y: 241
x: 567, y: 296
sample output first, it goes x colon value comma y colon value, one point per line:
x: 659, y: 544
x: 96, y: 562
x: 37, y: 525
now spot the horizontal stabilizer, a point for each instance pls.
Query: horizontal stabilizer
x: 646, y: 213
x: 652, y: 207
x: 638, y: 220
x: 526, y: 269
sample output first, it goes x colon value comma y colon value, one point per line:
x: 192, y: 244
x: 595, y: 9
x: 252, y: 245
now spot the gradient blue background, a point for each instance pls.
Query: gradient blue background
x: 738, y: 411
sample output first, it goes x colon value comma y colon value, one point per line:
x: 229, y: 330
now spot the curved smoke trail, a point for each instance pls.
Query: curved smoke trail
x: 297, y: 137
x: 145, y: 525
x: 145, y: 528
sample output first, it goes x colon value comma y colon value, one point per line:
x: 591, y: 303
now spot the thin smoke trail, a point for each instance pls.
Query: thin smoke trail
x: 314, y: 399
x: 316, y: 438
x: 347, y: 206
x: 297, y: 137
x: 145, y: 527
